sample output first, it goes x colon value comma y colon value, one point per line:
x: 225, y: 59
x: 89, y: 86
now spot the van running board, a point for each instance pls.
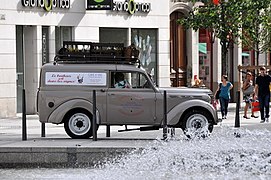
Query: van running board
x: 147, y: 128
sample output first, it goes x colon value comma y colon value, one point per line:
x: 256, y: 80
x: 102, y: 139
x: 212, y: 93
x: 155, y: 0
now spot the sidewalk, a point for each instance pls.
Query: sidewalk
x: 58, y: 149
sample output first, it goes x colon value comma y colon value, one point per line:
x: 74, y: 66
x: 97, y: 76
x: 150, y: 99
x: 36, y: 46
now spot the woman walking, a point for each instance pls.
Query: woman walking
x: 224, y: 95
x: 248, y: 94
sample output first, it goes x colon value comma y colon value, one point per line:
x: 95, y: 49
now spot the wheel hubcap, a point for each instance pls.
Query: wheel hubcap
x: 197, y: 126
x: 79, y: 124
x: 196, y: 121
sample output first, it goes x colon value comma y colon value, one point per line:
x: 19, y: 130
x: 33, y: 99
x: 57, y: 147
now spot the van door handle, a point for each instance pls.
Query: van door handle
x: 111, y: 94
x: 102, y: 90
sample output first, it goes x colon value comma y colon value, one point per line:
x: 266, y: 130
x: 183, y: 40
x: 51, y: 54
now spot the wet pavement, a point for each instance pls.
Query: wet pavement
x: 58, y: 149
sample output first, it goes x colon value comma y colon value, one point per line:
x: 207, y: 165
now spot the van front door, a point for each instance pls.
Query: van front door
x: 134, y: 104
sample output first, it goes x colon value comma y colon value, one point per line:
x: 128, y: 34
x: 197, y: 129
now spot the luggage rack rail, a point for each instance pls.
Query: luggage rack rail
x: 74, y: 52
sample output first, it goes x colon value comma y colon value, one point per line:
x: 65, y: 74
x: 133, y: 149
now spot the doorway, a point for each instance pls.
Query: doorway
x: 178, y: 61
x: 19, y: 66
x: 26, y: 67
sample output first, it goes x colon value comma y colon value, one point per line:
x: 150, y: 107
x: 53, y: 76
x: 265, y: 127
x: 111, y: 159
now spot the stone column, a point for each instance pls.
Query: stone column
x: 217, y: 63
x: 32, y: 54
x: 192, y: 55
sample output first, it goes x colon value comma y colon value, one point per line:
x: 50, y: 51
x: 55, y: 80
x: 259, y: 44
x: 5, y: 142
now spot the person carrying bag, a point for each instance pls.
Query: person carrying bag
x: 248, y: 91
x: 223, y: 92
x: 218, y: 91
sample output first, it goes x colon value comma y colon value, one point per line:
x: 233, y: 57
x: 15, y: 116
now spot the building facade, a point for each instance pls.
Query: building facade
x: 198, y: 53
x: 32, y: 32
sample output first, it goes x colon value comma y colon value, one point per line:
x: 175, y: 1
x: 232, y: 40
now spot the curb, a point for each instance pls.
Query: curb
x: 60, y: 157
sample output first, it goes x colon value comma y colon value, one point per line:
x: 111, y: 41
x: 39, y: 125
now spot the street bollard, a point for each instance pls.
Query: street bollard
x: 94, y: 123
x: 24, y: 133
x: 107, y: 130
x: 42, y: 129
x: 237, y: 115
x: 165, y: 117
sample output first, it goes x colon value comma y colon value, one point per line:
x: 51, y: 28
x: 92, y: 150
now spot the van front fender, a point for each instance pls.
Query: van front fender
x: 176, y: 113
x: 59, y: 113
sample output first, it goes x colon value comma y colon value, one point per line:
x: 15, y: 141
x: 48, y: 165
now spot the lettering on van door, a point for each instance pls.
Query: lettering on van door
x: 75, y: 78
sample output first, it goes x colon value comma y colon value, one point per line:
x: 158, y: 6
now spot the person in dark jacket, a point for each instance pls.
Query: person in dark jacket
x: 262, y: 93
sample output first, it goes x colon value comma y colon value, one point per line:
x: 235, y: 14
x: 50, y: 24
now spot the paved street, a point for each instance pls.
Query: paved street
x: 41, y: 150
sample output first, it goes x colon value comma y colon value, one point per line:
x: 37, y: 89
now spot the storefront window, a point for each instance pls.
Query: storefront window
x: 145, y: 41
x: 113, y: 35
x: 204, y: 58
x: 246, y: 58
x: 62, y: 34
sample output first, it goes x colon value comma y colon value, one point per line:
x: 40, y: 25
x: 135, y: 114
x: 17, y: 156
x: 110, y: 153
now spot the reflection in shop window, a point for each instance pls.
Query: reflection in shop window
x: 204, y: 64
x: 62, y: 34
x: 145, y: 41
x: 113, y: 35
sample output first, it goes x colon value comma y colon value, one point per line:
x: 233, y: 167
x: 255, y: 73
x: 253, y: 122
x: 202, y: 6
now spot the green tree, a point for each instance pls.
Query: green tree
x: 256, y: 21
x: 224, y: 20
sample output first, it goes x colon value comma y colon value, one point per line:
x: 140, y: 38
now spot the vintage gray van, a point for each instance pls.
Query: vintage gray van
x: 65, y: 96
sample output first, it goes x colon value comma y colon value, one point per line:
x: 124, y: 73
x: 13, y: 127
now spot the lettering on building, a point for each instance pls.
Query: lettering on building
x: 131, y: 6
x: 47, y: 5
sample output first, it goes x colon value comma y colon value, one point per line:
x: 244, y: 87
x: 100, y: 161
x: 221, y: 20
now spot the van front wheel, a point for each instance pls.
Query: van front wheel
x: 197, y: 123
x: 78, y: 125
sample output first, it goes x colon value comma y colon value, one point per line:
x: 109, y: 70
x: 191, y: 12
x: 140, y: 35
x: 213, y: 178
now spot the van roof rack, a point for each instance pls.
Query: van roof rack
x: 75, y: 52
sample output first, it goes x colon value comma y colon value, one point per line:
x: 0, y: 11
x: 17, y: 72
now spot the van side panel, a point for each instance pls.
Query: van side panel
x: 66, y: 100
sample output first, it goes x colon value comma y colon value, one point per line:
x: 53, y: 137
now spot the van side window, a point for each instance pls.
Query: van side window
x: 123, y: 80
x: 120, y: 80
x: 141, y: 81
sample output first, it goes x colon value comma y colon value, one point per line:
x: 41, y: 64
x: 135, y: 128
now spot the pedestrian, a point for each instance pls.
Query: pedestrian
x: 262, y: 93
x: 224, y: 96
x: 197, y: 81
x: 248, y: 91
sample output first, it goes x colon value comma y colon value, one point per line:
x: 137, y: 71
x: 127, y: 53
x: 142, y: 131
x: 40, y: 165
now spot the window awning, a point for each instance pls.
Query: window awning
x: 245, y: 54
x: 202, y: 48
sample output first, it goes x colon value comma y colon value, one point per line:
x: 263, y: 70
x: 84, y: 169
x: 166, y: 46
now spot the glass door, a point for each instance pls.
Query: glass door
x: 19, y: 66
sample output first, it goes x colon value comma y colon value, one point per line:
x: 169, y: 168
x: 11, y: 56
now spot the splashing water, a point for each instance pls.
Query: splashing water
x: 226, y: 154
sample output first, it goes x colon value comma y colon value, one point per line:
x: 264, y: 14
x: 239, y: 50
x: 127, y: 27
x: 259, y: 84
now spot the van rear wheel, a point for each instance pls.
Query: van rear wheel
x: 78, y: 125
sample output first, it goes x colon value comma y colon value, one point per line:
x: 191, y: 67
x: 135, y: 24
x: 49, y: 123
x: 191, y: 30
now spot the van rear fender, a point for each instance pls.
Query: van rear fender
x: 57, y: 116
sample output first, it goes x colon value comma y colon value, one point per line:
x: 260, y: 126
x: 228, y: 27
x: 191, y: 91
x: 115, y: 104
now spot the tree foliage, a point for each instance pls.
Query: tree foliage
x: 256, y: 25
x: 224, y: 20
x: 231, y: 20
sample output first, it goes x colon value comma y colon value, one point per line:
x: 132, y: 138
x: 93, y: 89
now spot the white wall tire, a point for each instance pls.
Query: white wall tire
x: 78, y: 125
x: 197, y: 123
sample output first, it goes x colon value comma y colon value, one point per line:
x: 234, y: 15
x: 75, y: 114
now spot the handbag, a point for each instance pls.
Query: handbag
x: 249, y: 90
x: 218, y: 92
x: 255, y: 106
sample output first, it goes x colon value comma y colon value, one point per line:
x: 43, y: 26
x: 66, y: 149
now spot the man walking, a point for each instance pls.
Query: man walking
x: 262, y: 92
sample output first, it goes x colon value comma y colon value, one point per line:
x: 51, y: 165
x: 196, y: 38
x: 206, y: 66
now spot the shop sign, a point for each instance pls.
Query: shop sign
x: 75, y: 78
x: 45, y: 45
x: 99, y: 4
x: 47, y: 5
x: 131, y: 6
